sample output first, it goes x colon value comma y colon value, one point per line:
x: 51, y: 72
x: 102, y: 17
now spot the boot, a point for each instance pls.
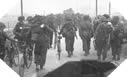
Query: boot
x: 114, y: 57
x: 118, y: 58
x: 99, y: 58
x: 86, y: 54
x: 69, y: 54
x: 104, y: 58
x: 37, y: 68
x: 41, y: 66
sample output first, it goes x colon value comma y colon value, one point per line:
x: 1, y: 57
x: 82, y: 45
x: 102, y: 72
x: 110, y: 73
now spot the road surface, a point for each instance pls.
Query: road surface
x: 52, y: 61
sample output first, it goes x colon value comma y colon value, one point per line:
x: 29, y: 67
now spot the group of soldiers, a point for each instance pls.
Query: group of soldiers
x: 107, y: 33
x: 38, y: 33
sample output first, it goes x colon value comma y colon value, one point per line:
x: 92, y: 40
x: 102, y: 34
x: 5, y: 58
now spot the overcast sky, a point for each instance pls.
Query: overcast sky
x: 57, y: 6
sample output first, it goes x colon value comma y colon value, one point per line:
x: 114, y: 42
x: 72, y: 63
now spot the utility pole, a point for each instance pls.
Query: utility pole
x: 21, y: 7
x: 109, y: 8
x: 96, y: 7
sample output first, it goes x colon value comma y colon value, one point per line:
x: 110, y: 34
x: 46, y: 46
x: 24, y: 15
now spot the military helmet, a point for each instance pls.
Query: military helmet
x: 115, y: 20
x: 106, y: 16
x: 2, y: 26
x: 86, y: 17
x: 68, y: 19
x: 101, y: 18
x: 21, y: 18
x: 29, y: 18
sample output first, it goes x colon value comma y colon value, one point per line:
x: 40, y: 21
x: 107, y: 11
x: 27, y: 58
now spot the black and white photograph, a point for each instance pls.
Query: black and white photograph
x: 63, y: 38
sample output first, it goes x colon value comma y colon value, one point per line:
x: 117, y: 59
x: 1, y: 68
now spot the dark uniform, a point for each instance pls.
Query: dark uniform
x: 117, y: 41
x: 18, y: 28
x: 96, y: 22
x: 41, y: 39
x: 102, y: 37
x: 68, y: 31
x: 3, y: 37
x: 86, y: 32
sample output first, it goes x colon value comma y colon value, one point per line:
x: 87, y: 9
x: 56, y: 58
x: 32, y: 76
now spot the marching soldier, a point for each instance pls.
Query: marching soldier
x: 18, y: 28
x: 102, y: 38
x: 69, y: 32
x: 85, y: 32
x: 3, y: 37
x: 117, y: 38
x: 41, y: 39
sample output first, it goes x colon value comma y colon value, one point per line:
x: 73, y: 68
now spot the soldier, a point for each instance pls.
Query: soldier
x: 18, y: 28
x: 117, y: 38
x: 68, y: 31
x: 41, y: 39
x: 102, y: 38
x: 86, y: 32
x: 3, y: 37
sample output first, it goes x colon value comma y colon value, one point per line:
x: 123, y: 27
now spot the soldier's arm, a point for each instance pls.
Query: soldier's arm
x: 16, y: 28
x: 49, y: 28
x: 91, y: 30
x: 53, y: 28
x: 62, y: 29
x: 75, y: 27
x: 97, y: 29
x: 7, y: 37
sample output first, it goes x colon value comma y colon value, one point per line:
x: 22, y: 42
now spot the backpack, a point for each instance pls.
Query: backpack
x: 71, y: 33
x: 25, y: 32
x: 39, y: 35
x: 68, y: 30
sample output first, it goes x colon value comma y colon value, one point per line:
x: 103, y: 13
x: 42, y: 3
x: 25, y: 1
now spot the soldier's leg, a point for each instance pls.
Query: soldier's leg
x: 37, y: 56
x: 43, y: 57
x: 55, y: 41
x: 2, y: 52
x: 114, y: 52
x: 51, y: 39
x: 67, y: 42
x: 99, y: 46
x: 36, y: 61
x: 88, y: 44
x: 72, y: 45
x: 104, y: 53
x: 99, y: 52
x: 85, y: 47
x: 105, y: 50
x: 118, y: 53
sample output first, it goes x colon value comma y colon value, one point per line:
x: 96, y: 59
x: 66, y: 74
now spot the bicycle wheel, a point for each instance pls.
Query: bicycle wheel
x: 16, y: 54
x: 8, y: 55
x: 28, y: 58
x: 21, y: 66
x: 7, y: 58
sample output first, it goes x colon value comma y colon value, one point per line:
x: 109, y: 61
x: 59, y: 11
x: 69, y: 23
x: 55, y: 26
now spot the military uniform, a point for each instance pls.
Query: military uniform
x: 39, y: 36
x: 3, y: 37
x: 102, y: 37
x: 68, y: 31
x: 116, y: 42
x: 18, y: 28
x: 85, y: 32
